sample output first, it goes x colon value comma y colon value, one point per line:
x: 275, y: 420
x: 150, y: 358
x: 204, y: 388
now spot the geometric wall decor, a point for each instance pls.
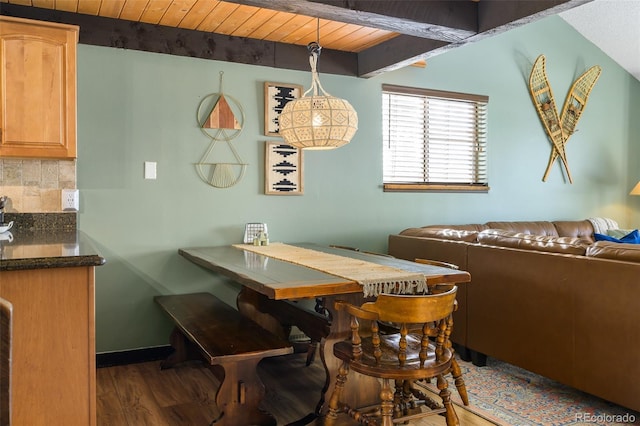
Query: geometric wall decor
x: 283, y: 169
x: 276, y: 96
x: 221, y: 119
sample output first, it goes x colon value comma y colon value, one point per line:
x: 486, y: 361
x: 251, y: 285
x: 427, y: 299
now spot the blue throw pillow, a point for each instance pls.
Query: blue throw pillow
x: 632, y: 237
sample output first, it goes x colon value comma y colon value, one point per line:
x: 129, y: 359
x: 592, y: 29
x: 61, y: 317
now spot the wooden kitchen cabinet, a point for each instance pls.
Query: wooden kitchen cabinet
x: 37, y: 89
x: 53, y: 377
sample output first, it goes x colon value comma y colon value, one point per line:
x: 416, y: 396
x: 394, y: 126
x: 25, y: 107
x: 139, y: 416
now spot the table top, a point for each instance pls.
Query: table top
x: 278, y: 279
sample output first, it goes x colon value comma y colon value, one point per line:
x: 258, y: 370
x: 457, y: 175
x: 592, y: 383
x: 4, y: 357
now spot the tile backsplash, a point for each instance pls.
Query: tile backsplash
x: 35, y: 186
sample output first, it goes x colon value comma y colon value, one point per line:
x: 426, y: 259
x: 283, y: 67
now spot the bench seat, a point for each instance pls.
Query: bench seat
x: 232, y: 345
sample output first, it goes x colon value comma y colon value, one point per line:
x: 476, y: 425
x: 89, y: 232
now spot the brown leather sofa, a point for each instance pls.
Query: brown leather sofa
x: 545, y: 297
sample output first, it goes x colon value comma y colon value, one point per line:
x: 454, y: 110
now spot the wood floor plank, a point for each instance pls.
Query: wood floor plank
x: 140, y: 394
x: 107, y: 400
x: 285, y: 401
x: 104, y: 381
x: 138, y: 403
x: 165, y: 385
x: 198, y: 382
x: 191, y: 413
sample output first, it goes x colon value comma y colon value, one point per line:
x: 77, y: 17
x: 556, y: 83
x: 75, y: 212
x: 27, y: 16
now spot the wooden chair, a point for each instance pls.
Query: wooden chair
x: 436, y: 263
x: 358, y: 250
x: 5, y: 362
x: 455, y: 368
x: 403, y: 357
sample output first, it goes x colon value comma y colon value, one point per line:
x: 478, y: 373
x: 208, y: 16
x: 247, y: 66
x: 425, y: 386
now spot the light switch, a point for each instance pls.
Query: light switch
x: 150, y: 169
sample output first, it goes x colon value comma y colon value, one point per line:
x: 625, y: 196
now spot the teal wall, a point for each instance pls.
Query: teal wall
x: 135, y: 107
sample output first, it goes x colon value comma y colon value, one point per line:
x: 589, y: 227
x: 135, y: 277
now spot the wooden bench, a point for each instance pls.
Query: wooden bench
x: 232, y: 345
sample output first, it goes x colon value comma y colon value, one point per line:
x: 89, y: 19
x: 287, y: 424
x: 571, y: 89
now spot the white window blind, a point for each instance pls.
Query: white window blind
x: 434, y: 139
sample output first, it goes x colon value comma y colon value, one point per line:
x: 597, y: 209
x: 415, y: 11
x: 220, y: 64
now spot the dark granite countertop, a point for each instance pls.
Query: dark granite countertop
x: 22, y: 249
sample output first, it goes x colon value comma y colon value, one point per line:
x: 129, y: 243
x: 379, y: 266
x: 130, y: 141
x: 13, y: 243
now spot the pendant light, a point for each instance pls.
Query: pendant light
x: 319, y: 121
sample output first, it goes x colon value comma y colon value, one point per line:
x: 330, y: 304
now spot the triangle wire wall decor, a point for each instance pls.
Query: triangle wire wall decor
x: 223, y: 122
x: 560, y: 128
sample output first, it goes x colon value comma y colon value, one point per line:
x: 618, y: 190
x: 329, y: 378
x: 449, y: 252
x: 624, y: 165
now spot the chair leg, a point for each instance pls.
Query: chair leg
x: 398, y: 398
x: 450, y: 414
x: 459, y: 381
x: 336, y: 396
x: 386, y: 404
x: 311, y: 353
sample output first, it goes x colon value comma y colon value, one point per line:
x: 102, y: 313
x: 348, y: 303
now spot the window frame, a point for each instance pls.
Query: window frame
x: 437, y: 186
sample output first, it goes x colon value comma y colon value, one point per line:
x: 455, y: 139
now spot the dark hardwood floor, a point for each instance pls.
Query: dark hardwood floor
x: 143, y: 395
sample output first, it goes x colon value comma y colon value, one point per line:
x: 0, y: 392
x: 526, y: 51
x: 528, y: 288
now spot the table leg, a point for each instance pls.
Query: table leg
x: 359, y: 390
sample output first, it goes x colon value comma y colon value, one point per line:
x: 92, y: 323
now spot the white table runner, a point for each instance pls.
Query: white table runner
x: 374, y: 278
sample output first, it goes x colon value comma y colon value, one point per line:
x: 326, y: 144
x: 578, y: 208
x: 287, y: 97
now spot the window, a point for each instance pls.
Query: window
x: 433, y: 140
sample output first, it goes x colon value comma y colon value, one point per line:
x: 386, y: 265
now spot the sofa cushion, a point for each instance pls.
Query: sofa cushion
x: 468, y: 227
x: 442, y: 234
x: 618, y: 233
x: 632, y: 237
x: 546, y: 243
x: 616, y: 251
x: 535, y: 228
x: 574, y: 228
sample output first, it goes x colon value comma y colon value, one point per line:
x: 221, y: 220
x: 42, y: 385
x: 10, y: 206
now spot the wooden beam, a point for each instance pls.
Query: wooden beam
x: 396, y: 53
x: 448, y: 21
x: 420, y: 40
x: 449, y: 13
x: 99, y: 31
x: 503, y: 15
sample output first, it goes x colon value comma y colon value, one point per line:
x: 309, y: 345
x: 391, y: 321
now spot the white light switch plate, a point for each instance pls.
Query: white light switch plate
x: 150, y: 169
x: 70, y: 200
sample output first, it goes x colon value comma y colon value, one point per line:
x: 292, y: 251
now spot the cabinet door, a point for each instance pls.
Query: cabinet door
x: 53, y: 346
x: 37, y: 89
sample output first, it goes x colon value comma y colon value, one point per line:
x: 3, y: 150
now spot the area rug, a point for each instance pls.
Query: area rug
x: 510, y: 396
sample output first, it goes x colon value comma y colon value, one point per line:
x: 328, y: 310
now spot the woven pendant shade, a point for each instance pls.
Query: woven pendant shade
x: 319, y: 121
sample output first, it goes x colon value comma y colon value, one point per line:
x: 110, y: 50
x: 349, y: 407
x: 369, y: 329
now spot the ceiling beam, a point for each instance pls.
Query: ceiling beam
x: 495, y: 17
x: 448, y: 21
x: 118, y: 33
x: 506, y: 14
x: 394, y: 54
x: 449, y: 13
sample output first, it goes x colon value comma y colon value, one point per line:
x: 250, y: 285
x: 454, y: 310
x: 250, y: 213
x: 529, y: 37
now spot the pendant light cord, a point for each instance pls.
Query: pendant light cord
x: 314, y: 53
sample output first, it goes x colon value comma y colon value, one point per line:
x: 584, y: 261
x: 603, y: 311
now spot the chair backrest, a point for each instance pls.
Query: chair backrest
x: 412, y: 309
x: 433, y: 312
x: 436, y: 263
x: 358, y: 250
x: 5, y: 362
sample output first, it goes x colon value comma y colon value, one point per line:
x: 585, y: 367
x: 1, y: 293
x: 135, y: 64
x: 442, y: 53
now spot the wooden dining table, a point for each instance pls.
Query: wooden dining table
x: 280, y: 280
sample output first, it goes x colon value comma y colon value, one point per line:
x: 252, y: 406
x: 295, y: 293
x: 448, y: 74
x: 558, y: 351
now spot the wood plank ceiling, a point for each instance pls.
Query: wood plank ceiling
x: 362, y: 38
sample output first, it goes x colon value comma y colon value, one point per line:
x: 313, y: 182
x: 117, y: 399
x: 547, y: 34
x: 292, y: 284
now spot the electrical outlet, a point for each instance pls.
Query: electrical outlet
x: 70, y: 200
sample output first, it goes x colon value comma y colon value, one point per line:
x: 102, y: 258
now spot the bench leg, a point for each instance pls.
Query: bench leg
x: 182, y: 350
x: 239, y: 395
